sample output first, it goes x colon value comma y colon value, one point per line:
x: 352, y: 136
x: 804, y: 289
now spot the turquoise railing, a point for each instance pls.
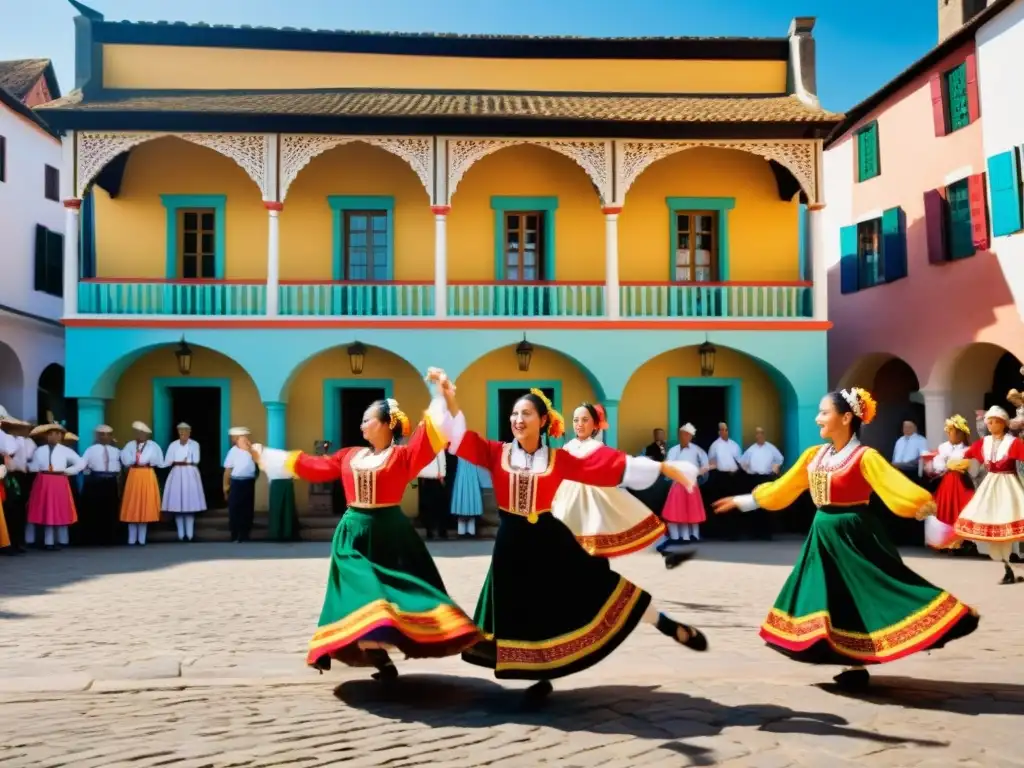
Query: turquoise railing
x: 161, y: 297
x: 356, y: 299
x: 724, y: 300
x: 526, y: 300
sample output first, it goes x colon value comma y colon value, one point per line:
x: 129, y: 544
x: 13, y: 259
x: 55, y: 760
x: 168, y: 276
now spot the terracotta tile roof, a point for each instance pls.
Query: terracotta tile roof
x: 597, y: 107
x: 18, y: 77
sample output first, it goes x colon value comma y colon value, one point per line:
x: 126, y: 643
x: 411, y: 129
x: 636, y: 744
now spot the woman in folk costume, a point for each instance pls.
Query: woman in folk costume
x: 548, y: 607
x: 18, y: 481
x: 140, y: 504
x: 467, y: 498
x: 183, y: 491
x: 955, y: 487
x: 850, y: 599
x: 7, y: 448
x: 51, y: 503
x: 994, y: 517
x: 607, y: 522
x: 684, y: 508
x: 383, y: 591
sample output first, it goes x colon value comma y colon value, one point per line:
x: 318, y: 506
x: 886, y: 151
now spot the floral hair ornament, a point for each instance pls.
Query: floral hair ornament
x: 861, y: 403
x: 556, y: 422
x: 397, y: 416
x: 958, y: 422
x: 602, y: 416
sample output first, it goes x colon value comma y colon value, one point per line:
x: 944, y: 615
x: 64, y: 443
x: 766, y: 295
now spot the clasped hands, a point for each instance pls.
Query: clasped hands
x: 958, y: 465
x: 439, y: 377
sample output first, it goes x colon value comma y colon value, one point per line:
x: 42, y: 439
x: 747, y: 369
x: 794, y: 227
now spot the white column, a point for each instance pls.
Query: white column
x: 611, y: 260
x: 441, y: 259
x: 817, y: 256
x: 72, y: 207
x: 938, y: 406
x: 273, y: 254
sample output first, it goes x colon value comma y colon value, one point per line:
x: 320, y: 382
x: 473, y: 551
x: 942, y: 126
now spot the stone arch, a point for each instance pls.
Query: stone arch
x: 896, y: 387
x: 51, y: 402
x: 252, y: 153
x: 298, y: 150
x: 799, y: 158
x: 12, y: 382
x: 591, y: 156
x: 977, y: 376
x: 766, y: 398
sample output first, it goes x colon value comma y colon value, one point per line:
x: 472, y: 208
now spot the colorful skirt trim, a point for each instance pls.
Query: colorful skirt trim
x: 607, y: 522
x: 141, y: 501
x: 639, y: 537
x: 996, y: 511
x: 51, y: 502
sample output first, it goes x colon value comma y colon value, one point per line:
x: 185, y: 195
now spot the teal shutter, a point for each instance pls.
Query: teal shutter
x: 1004, y: 187
x: 848, y: 264
x: 867, y: 152
x: 894, y: 244
x: 961, y: 233
x: 956, y: 90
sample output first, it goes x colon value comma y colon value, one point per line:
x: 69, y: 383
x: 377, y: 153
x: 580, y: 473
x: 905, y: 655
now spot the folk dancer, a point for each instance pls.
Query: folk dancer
x: 725, y: 478
x: 572, y: 610
x: 183, y: 492
x: 101, y: 490
x: 434, y: 497
x: 684, y: 508
x: 762, y: 462
x: 955, y: 487
x: 384, y: 590
x: 141, y: 503
x: 467, y: 497
x: 51, y: 503
x: 994, y: 517
x: 18, y: 482
x: 7, y: 448
x: 607, y: 522
x: 850, y: 599
x: 1014, y: 398
x: 240, y: 485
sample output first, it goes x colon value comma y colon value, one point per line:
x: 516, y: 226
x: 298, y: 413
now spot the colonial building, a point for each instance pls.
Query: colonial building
x: 320, y: 216
x: 31, y: 246
x: 924, y: 230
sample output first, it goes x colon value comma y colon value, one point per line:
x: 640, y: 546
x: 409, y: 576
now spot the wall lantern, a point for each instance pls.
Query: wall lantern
x: 707, y: 358
x: 184, y: 355
x: 524, y: 354
x: 356, y: 358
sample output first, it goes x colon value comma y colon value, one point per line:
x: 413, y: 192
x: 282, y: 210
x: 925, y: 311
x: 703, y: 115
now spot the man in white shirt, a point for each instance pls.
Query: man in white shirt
x: 240, y: 487
x: 18, y: 449
x: 906, y: 455
x: 435, y: 497
x: 101, y: 497
x: 762, y: 462
x: 725, y: 478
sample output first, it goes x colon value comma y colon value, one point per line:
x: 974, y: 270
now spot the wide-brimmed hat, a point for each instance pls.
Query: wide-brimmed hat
x: 238, y: 432
x: 6, y: 418
x: 141, y: 426
x: 42, y: 429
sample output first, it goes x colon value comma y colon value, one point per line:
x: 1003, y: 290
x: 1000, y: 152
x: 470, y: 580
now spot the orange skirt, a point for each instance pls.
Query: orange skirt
x: 5, y: 538
x: 141, y: 501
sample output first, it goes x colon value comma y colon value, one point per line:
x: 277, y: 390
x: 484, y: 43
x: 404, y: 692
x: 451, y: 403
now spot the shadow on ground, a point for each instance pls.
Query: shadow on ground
x: 963, y: 698
x: 640, y: 711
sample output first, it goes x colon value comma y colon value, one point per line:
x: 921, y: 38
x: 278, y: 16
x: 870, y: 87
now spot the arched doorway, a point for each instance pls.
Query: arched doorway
x: 12, y: 382
x: 1006, y: 376
x: 895, y: 386
x: 979, y: 376
x: 51, y: 404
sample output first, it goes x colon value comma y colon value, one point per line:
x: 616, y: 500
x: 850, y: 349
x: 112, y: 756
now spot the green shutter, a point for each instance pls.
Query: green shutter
x: 894, y: 244
x: 867, y: 152
x: 1004, y: 187
x: 960, y: 235
x: 956, y: 90
x: 849, y: 278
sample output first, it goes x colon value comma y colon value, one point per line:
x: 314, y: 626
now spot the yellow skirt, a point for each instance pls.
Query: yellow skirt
x: 141, y: 502
x: 5, y: 538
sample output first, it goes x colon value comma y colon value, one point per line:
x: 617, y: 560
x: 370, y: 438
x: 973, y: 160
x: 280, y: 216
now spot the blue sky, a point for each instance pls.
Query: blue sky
x: 861, y: 43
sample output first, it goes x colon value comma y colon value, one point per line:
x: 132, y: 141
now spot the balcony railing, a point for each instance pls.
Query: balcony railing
x: 508, y: 299
x: 719, y: 300
x: 171, y: 297
x: 357, y: 299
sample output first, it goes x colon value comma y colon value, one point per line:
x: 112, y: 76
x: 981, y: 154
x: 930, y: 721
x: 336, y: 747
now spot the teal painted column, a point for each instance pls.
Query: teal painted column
x: 91, y: 413
x: 805, y: 432
x: 611, y: 411
x: 276, y: 430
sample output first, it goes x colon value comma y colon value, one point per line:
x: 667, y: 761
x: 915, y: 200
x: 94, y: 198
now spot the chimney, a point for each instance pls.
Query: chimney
x: 802, y: 75
x: 953, y: 14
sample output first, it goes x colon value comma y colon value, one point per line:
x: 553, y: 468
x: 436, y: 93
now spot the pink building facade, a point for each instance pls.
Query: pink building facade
x: 922, y: 310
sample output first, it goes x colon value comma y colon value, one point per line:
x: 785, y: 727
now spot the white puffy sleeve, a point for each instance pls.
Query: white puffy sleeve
x: 641, y: 472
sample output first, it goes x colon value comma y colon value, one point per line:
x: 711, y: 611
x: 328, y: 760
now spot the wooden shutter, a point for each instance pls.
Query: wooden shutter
x: 54, y: 263
x: 894, y: 244
x: 973, y: 99
x: 40, y: 263
x: 938, y: 104
x: 979, y: 211
x: 935, y: 226
x: 1004, y: 187
x: 849, y: 266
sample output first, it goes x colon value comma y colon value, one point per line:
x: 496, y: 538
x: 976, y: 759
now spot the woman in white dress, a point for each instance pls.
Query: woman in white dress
x: 607, y: 522
x: 183, y: 492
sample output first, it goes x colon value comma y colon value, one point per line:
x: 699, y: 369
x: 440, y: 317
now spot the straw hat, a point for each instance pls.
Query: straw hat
x: 6, y: 418
x: 141, y: 426
x: 42, y: 429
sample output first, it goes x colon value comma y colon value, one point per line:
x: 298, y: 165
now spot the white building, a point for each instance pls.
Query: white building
x: 31, y: 244
x: 1000, y: 44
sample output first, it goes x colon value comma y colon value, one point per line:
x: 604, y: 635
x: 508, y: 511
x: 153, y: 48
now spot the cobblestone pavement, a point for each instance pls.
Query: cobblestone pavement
x: 192, y: 656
